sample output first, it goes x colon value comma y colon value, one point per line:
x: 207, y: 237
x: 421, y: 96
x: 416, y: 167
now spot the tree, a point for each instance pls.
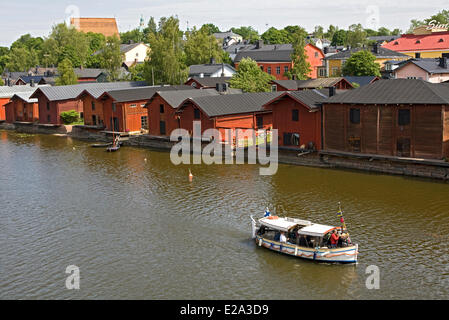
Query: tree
x: 362, y: 63
x: 200, y: 47
x: 166, y: 63
x: 301, y: 67
x: 21, y: 59
x: 111, y: 58
x: 247, y: 33
x: 275, y: 36
x: 339, y: 38
x: 67, y: 75
x: 250, y: 78
x: 318, y: 32
x: 209, y: 28
x: 382, y: 31
x: 330, y: 32
x: 1, y: 82
x: 414, y: 23
x: 134, y: 36
x: 137, y: 73
x: 441, y: 17
x: 356, y: 36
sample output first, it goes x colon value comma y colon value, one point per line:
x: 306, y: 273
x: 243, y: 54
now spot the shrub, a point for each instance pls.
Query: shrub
x: 69, y: 117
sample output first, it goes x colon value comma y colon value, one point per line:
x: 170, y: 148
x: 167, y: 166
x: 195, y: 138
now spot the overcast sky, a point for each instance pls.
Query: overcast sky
x: 37, y: 16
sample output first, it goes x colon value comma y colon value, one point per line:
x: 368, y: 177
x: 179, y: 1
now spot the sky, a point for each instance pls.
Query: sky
x: 38, y: 16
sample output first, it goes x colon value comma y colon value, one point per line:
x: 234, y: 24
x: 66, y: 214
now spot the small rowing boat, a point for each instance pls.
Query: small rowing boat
x: 304, y: 239
x: 115, y: 146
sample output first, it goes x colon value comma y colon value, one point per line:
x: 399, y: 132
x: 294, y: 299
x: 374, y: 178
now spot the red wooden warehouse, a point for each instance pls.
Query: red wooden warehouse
x: 22, y: 109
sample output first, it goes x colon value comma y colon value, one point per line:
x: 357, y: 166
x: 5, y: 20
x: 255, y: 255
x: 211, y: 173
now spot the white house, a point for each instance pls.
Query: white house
x: 211, y: 70
x: 134, y: 52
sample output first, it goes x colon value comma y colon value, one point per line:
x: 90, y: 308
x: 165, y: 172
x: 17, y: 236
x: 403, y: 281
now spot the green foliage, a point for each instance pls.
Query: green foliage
x: 67, y: 75
x: 362, y: 63
x: 137, y: 72
x: 167, y: 60
x: 70, y: 117
x: 200, y: 47
x: 111, y: 58
x: 21, y: 59
x: 301, y: 67
x: 356, y: 36
x: 441, y: 17
x: 275, y: 36
x: 210, y: 28
x: 339, y: 38
x: 318, y: 32
x: 355, y: 85
x: 1, y: 82
x: 250, y: 78
x: 247, y: 33
x: 330, y: 32
x: 134, y: 36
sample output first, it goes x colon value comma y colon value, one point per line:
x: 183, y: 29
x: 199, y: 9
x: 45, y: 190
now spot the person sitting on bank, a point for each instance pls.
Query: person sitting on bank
x: 283, y: 238
x: 334, y: 239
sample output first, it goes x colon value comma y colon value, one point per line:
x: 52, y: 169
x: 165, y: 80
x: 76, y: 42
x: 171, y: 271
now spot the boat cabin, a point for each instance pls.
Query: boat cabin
x: 298, y: 232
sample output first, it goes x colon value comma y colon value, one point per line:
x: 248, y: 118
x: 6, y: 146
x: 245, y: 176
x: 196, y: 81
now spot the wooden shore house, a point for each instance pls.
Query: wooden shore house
x: 398, y: 117
x: 22, y: 108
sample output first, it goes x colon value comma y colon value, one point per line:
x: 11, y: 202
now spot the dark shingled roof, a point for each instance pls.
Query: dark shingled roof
x: 275, y: 53
x: 382, y: 53
x: 430, y: 65
x: 309, y: 84
x: 396, y: 91
x: 143, y: 93
x: 361, y: 80
x: 174, y: 98
x: 89, y: 73
x: 211, y: 81
x: 207, y: 69
x: 73, y: 92
x: 234, y: 103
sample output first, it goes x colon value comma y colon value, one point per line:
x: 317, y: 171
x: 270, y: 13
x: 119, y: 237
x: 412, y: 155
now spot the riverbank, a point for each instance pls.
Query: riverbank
x: 423, y: 168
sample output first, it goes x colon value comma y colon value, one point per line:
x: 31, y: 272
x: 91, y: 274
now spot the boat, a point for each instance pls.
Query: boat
x: 101, y: 145
x: 305, y: 239
x: 115, y: 145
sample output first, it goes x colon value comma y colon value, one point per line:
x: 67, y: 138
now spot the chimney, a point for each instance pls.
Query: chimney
x: 443, y: 62
x: 32, y: 83
x: 376, y: 48
x: 259, y: 44
x: 332, y: 91
x: 212, y: 60
x: 222, y: 69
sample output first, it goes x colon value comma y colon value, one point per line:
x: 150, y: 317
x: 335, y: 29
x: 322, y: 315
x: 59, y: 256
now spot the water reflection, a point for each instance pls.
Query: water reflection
x: 135, y: 226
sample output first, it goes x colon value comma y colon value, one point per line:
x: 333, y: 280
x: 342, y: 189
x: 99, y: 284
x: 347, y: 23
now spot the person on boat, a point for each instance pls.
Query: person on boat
x: 334, y: 239
x: 283, y: 238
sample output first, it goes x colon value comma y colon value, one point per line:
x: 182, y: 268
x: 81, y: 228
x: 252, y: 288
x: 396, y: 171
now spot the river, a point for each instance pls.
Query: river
x: 138, y: 229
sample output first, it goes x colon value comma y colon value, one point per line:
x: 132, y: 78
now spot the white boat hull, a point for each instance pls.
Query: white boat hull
x: 341, y: 255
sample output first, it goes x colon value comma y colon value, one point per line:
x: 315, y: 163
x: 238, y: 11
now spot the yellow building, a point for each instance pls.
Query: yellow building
x: 424, y: 42
x: 335, y: 63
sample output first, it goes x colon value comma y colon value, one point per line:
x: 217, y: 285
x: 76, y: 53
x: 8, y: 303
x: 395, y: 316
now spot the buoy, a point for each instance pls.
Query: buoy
x: 190, y: 176
x: 145, y: 160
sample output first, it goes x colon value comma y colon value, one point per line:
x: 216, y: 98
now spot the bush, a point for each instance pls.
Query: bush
x: 69, y: 117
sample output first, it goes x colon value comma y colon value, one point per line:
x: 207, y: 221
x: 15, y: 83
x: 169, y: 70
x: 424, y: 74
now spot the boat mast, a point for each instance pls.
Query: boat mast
x: 342, y: 220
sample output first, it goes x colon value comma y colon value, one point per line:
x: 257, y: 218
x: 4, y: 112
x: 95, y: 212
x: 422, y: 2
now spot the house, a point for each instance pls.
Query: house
x: 228, y: 38
x: 105, y: 26
x: 22, y: 108
x: 125, y: 109
x: 91, y: 75
x: 432, y: 70
x: 276, y: 59
x: 162, y: 109
x: 422, y: 43
x: 335, y: 62
x: 208, y: 83
x: 23, y: 80
x: 7, y: 92
x: 10, y: 78
x: 134, y: 53
x: 396, y: 117
x: 227, y: 112
x: 55, y: 100
x: 361, y: 80
x: 212, y: 70
x: 297, y: 117
x: 382, y: 40
x: 294, y: 85
x: 93, y: 110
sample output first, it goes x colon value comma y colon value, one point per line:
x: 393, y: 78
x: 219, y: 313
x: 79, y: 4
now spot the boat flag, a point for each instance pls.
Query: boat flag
x: 267, y: 213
